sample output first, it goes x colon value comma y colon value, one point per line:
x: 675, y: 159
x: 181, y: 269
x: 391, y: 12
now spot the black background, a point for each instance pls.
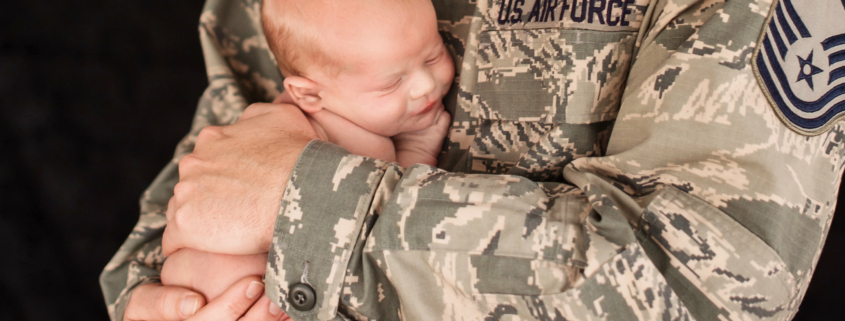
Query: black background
x: 94, y: 96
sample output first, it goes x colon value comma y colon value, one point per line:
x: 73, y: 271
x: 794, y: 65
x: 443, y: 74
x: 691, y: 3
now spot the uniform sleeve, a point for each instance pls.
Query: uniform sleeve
x: 371, y: 239
x: 707, y: 205
x: 732, y: 205
x: 368, y: 239
x: 240, y: 71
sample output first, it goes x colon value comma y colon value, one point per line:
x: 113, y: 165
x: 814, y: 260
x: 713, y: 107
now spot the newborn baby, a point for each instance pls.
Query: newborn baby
x: 370, y: 76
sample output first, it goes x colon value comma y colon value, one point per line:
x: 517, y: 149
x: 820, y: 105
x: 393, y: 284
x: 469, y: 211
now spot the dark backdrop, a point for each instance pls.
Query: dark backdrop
x: 94, y: 96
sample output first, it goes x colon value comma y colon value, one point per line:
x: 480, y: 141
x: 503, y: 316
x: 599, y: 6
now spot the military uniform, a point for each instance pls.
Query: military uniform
x: 608, y: 159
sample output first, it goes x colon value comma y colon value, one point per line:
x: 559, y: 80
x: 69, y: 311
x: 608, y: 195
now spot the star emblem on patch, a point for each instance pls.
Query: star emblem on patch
x: 807, y: 70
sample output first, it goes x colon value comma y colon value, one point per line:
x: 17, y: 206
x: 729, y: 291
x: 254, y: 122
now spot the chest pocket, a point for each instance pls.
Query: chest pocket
x: 554, y: 61
x: 542, y: 64
x: 551, y: 75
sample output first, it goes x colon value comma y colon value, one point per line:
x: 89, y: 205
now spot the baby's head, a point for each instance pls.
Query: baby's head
x: 378, y: 63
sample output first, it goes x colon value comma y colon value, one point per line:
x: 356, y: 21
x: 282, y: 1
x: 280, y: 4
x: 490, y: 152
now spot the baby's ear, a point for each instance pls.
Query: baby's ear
x: 304, y: 92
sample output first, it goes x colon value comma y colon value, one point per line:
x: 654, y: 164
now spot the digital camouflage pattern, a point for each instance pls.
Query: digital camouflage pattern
x: 594, y: 171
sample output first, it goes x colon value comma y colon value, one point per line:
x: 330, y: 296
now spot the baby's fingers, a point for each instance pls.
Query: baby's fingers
x: 443, y: 120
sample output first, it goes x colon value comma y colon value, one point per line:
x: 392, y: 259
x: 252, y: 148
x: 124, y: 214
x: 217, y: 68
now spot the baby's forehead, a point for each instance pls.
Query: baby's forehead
x: 356, y: 32
x: 358, y: 15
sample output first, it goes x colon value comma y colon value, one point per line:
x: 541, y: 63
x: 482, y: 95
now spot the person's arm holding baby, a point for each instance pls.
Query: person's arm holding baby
x: 380, y: 103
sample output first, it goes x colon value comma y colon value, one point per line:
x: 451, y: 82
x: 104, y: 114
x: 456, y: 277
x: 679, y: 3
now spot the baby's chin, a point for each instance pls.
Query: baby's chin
x: 426, y: 120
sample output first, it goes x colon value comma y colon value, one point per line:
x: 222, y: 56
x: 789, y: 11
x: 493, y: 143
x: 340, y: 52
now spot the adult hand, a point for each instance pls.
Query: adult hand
x: 230, y: 187
x: 207, y: 273
x: 244, y: 300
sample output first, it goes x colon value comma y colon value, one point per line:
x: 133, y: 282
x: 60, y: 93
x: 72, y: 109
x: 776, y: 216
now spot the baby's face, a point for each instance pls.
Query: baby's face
x: 396, y: 71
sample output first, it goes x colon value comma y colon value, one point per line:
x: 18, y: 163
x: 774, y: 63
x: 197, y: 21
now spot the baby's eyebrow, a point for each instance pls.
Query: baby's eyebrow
x: 379, y: 85
x: 436, y: 47
x: 390, y: 78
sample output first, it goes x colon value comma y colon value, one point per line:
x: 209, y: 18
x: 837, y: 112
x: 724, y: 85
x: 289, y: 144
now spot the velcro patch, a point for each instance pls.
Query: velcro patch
x: 800, y: 63
x: 603, y: 15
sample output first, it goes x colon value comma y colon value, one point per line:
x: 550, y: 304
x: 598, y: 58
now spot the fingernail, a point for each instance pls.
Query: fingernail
x: 274, y: 309
x: 189, y: 305
x: 255, y: 288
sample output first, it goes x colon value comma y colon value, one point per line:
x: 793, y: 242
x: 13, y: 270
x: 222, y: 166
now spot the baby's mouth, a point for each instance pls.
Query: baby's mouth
x: 428, y: 108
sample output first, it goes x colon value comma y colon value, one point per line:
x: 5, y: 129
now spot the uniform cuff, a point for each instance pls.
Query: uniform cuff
x: 319, y: 222
x: 118, y: 308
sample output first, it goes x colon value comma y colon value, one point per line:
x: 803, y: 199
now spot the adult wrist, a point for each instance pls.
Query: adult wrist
x: 322, y: 212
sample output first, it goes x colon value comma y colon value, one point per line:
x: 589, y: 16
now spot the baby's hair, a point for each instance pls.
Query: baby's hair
x: 290, y: 39
x: 293, y: 37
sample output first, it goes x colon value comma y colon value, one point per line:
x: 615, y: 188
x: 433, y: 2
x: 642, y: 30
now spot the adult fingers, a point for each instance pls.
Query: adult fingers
x: 209, y: 134
x: 264, y: 310
x: 159, y: 302
x: 256, y: 110
x: 234, y: 302
x: 170, y: 241
x: 287, y: 116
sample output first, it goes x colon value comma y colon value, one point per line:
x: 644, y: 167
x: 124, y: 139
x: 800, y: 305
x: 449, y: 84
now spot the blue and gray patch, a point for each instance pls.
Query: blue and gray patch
x: 800, y: 63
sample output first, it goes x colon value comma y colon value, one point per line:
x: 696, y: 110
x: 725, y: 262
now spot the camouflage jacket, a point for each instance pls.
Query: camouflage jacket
x: 711, y: 199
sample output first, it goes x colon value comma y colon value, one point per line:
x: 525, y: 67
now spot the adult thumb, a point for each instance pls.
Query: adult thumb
x: 161, y: 302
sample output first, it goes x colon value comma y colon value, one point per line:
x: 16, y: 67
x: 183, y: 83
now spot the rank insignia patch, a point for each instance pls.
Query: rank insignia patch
x: 800, y: 63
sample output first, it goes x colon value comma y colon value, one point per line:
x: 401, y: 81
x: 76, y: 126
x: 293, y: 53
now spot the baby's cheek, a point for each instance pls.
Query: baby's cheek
x: 445, y: 71
x: 386, y: 121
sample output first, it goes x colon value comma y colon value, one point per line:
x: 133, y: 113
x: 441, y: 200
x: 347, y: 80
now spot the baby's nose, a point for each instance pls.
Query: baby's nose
x: 423, y: 85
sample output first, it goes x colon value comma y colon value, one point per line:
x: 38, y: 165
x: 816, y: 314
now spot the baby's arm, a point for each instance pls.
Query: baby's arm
x: 209, y: 273
x: 410, y: 148
x: 422, y: 146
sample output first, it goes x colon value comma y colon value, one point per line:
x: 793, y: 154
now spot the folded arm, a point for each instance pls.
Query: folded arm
x: 706, y: 206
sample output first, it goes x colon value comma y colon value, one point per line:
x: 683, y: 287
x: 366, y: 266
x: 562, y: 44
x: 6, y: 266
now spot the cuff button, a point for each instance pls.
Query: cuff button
x: 302, y: 296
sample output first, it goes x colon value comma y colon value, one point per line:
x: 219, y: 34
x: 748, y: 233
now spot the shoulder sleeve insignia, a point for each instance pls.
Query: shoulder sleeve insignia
x: 800, y: 63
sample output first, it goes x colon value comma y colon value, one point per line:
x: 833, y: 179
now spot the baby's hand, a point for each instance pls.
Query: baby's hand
x: 209, y: 273
x: 422, y: 146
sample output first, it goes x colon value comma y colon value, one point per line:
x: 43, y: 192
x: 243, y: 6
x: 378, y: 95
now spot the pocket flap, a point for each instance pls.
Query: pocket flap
x: 736, y: 274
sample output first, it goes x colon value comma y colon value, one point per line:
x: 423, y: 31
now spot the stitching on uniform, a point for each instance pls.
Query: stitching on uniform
x: 557, y: 29
x: 286, y: 248
x: 304, y: 278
